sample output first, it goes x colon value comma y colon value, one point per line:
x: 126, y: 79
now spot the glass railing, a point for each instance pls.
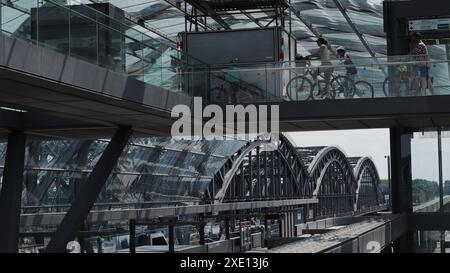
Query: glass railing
x: 396, y: 76
x: 100, y: 34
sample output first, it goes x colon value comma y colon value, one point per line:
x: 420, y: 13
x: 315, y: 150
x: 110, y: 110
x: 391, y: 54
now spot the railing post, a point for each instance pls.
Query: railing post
x: 171, y: 237
x: 132, y: 227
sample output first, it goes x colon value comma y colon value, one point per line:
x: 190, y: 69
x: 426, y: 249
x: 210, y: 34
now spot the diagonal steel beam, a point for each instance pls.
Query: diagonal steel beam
x: 89, y: 192
x: 254, y: 20
x: 11, y: 192
x: 354, y: 28
x: 305, y: 21
x: 308, y: 25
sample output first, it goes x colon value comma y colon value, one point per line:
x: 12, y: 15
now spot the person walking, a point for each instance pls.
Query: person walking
x: 350, y: 68
x: 233, y: 79
x: 325, y: 65
x: 419, y: 53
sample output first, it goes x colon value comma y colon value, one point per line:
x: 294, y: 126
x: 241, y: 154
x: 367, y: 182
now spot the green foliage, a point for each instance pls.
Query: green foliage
x: 384, y: 185
x: 424, y: 190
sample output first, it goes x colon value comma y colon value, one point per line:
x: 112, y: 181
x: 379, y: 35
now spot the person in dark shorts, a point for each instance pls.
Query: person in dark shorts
x: 350, y: 68
x: 420, y: 54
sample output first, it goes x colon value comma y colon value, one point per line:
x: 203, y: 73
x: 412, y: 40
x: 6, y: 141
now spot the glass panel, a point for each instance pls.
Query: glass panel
x: 83, y: 37
x: 134, y: 63
x: 431, y: 241
x: 19, y: 18
x: 111, y: 51
x: 425, y: 171
x: 53, y: 26
x: 50, y: 188
x: 446, y: 169
x: 131, y: 188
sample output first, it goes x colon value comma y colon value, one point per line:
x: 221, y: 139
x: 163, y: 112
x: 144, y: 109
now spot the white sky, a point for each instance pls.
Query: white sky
x: 424, y: 153
x: 373, y: 143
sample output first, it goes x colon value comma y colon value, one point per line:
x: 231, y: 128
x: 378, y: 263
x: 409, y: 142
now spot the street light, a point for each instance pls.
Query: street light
x: 388, y: 157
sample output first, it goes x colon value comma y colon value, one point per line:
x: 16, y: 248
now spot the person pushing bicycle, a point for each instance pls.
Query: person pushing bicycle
x: 350, y: 68
x: 325, y: 65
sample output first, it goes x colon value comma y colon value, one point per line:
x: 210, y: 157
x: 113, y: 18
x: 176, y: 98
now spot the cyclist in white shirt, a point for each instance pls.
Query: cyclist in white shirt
x: 325, y: 64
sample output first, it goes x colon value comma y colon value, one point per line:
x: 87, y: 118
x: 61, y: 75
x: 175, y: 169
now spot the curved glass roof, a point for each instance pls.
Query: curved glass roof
x: 314, y: 17
x: 151, y: 169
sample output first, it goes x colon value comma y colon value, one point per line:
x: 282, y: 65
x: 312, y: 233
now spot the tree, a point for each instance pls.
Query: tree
x: 424, y: 190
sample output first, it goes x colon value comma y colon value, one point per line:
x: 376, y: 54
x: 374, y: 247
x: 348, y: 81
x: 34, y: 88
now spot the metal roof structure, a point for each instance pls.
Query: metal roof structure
x: 355, y: 24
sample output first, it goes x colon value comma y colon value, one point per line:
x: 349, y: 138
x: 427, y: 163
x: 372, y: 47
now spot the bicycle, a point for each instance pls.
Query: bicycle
x: 244, y: 92
x: 404, y: 81
x: 360, y: 89
x: 302, y: 88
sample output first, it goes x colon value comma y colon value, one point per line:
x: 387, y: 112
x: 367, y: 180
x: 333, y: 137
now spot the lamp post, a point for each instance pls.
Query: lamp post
x: 388, y: 158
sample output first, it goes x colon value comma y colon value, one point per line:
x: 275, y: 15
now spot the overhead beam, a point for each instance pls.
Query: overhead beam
x: 205, y: 9
x: 429, y: 221
x: 36, y: 120
x: 11, y: 192
x: 10, y: 120
x: 186, y: 15
x: 89, y: 192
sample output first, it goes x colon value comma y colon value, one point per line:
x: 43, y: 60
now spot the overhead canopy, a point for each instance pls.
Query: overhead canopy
x: 310, y: 18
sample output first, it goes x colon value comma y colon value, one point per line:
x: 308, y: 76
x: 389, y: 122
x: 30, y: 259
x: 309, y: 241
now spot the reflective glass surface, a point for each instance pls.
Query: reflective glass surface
x: 98, y: 34
x: 425, y: 171
x: 151, y: 171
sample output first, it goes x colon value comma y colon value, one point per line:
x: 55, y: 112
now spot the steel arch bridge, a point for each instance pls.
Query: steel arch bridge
x: 258, y: 170
x: 342, y: 185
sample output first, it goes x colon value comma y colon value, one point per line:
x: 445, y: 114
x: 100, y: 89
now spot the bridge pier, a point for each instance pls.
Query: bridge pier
x: 287, y: 224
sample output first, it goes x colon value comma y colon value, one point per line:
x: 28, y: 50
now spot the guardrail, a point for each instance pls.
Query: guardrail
x: 394, y: 76
x: 86, y: 33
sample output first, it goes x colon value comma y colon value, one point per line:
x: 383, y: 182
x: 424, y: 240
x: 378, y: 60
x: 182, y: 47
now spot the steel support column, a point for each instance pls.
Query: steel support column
x: 81, y: 206
x: 201, y: 229
x: 201, y: 233
x: 132, y: 226
x: 11, y: 192
x: 171, y: 238
x: 441, y: 180
x: 400, y: 141
x: 227, y: 228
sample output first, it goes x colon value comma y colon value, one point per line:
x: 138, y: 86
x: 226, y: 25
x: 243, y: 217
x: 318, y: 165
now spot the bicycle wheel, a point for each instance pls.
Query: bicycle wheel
x: 299, y: 88
x: 364, y: 89
x: 319, y: 91
x: 342, y: 85
x: 394, y: 87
